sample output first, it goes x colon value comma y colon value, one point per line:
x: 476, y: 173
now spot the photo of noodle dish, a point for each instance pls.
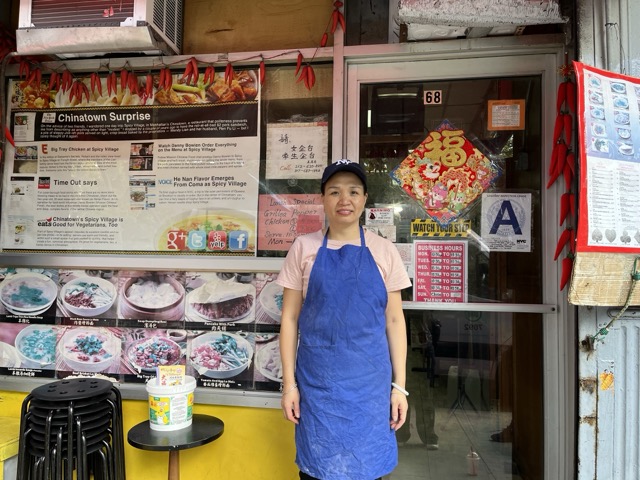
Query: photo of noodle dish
x: 219, y: 300
x: 220, y: 354
x: 89, y: 349
x: 148, y: 353
x: 27, y: 293
x: 87, y: 296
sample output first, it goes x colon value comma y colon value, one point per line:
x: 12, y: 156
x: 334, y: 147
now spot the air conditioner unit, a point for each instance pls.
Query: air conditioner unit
x: 70, y: 28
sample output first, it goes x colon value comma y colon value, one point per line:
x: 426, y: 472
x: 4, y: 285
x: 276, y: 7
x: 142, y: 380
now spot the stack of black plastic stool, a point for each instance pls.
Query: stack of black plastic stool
x: 72, y: 429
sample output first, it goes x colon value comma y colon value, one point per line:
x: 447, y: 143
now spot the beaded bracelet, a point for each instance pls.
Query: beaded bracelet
x: 293, y: 387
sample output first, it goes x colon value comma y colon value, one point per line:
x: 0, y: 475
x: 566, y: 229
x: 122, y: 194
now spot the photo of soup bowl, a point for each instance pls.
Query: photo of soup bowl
x: 152, y: 296
x: 220, y: 354
x: 88, y: 296
x: 36, y: 346
x: 28, y: 293
x: 271, y: 300
x: 148, y: 353
x: 89, y: 349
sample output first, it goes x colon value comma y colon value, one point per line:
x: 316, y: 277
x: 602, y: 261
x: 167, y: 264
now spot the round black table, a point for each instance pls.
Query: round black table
x: 203, y: 429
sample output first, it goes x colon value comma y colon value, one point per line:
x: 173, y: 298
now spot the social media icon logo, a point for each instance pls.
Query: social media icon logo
x: 238, y: 240
x: 217, y: 240
x: 197, y: 240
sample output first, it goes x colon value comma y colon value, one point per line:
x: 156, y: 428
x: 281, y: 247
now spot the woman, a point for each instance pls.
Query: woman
x: 344, y: 382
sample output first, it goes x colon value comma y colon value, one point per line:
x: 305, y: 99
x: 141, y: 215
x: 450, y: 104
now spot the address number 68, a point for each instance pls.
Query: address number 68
x: 432, y: 97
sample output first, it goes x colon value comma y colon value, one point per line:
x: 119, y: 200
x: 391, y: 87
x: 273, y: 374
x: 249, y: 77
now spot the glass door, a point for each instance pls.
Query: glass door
x: 475, y: 318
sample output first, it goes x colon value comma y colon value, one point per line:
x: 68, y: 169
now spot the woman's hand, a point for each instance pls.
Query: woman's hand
x: 399, y: 410
x: 290, y: 403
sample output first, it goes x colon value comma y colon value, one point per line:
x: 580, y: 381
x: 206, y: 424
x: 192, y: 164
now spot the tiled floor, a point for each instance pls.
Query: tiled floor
x: 458, y: 430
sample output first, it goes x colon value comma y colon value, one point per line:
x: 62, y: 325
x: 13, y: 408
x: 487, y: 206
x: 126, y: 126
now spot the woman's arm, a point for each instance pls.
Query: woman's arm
x: 291, y: 306
x: 397, y: 338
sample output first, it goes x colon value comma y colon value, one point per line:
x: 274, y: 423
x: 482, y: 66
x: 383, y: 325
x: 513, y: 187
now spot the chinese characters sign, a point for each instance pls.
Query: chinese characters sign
x: 446, y: 173
x: 297, y: 150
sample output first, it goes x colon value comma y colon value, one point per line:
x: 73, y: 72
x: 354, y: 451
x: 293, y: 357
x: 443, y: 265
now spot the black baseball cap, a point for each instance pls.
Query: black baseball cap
x: 344, y: 166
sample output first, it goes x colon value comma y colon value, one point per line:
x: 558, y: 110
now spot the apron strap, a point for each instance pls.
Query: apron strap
x: 326, y: 236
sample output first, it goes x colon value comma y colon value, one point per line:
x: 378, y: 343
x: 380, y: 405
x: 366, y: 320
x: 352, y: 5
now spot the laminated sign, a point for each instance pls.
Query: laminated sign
x: 446, y: 173
x: 506, y: 222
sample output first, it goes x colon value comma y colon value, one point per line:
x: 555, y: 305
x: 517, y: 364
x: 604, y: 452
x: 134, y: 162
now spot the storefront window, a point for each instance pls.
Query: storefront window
x: 394, y: 120
x: 295, y: 148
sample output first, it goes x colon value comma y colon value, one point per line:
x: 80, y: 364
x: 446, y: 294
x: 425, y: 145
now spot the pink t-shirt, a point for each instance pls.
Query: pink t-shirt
x: 299, y: 262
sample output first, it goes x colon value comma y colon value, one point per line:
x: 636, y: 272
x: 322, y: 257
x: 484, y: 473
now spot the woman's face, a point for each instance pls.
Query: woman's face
x: 343, y: 199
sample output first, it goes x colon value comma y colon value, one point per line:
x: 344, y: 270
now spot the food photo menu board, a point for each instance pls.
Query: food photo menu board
x: 609, y: 128
x: 133, y: 168
x: 223, y: 327
x: 440, y: 271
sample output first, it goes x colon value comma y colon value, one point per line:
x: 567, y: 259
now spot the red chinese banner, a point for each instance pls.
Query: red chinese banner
x: 446, y: 173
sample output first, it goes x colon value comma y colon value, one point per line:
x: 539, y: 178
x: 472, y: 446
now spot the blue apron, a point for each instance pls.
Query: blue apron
x: 343, y: 369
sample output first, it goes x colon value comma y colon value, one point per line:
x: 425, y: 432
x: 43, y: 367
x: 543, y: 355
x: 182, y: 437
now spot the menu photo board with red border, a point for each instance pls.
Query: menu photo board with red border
x: 609, y: 135
x: 440, y: 271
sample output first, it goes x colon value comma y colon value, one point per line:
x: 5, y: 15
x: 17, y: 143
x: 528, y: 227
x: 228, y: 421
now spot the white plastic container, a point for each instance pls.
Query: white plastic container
x: 473, y: 463
x: 170, y: 407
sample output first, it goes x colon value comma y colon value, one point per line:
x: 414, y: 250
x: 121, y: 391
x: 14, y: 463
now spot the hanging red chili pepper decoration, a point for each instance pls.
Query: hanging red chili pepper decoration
x: 311, y: 78
x: 564, y: 206
x: 132, y: 83
x: 554, y: 159
x: 195, y: 74
x: 228, y: 73
x: 168, y: 79
x: 567, y: 267
x: 571, y: 161
x: 572, y: 204
x: 38, y: 78
x: 24, y: 69
x: 562, y: 95
x: 325, y: 38
x: 299, y: 63
x: 148, y: 86
x: 558, y: 126
x: 54, y: 81
x: 67, y: 80
x: 568, y: 176
x: 209, y: 75
x: 567, y: 127
x: 7, y: 133
x: 562, y: 242
x: 570, y: 93
x: 124, y: 74
x: 562, y: 157
x: 303, y: 74
x: 262, y: 72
